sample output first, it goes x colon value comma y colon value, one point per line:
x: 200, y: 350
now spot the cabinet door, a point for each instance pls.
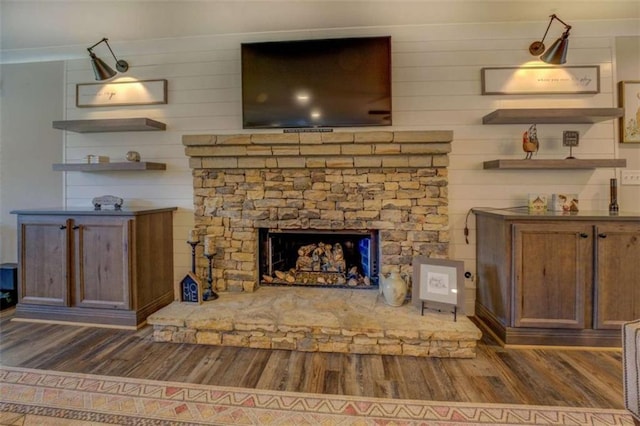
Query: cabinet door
x: 552, y: 271
x: 617, y: 282
x: 101, y: 262
x: 43, y: 252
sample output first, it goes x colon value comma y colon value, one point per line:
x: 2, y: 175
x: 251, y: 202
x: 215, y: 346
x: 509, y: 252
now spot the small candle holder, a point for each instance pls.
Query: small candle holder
x: 209, y: 294
x: 193, y: 245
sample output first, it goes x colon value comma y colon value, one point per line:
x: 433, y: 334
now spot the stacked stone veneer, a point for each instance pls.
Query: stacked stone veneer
x: 395, y: 182
x: 437, y: 344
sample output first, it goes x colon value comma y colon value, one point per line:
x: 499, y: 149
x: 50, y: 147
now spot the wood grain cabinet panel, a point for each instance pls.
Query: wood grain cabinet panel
x: 552, y: 267
x: 617, y: 274
x: 110, y: 268
x: 44, y: 282
x: 101, y: 258
x: 557, y: 279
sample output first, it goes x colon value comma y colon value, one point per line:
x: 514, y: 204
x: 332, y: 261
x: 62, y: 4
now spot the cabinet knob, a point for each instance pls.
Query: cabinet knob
x: 602, y: 235
x: 76, y: 227
x: 63, y: 227
x: 584, y: 235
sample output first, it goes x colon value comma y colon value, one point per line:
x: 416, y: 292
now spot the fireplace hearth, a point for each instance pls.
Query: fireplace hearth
x: 318, y: 258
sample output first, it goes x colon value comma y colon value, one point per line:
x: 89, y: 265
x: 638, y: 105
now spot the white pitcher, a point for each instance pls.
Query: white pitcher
x: 393, y: 288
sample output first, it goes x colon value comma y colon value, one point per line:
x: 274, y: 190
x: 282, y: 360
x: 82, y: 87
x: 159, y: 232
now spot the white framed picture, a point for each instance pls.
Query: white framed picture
x: 139, y: 92
x: 437, y: 280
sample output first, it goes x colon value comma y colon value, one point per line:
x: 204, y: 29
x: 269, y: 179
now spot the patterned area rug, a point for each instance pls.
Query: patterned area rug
x: 55, y: 398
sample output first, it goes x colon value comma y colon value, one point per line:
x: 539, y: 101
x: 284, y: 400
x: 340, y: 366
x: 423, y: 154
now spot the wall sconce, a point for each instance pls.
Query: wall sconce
x: 557, y: 53
x: 102, y: 70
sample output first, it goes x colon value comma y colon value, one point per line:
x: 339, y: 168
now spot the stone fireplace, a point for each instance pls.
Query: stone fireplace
x: 316, y: 210
x: 389, y: 184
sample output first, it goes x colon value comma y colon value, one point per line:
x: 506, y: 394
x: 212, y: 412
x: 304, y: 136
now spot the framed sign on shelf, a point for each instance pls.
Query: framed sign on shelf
x: 143, y: 92
x: 629, y: 97
x: 540, y: 80
x: 439, y: 282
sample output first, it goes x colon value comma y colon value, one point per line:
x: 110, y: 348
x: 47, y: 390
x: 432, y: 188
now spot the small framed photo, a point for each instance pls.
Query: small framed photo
x: 438, y: 281
x: 629, y: 97
x: 191, y: 289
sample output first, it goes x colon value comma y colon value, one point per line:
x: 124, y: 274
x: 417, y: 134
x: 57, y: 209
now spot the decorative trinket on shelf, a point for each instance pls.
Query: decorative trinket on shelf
x: 107, y: 200
x: 133, y: 156
x: 96, y: 159
x: 564, y: 203
x: 537, y: 203
x: 570, y: 138
x: 530, y: 142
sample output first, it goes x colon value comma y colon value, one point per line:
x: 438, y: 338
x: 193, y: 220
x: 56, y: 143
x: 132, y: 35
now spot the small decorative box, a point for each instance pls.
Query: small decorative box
x: 96, y: 159
x: 564, y: 203
x: 537, y: 202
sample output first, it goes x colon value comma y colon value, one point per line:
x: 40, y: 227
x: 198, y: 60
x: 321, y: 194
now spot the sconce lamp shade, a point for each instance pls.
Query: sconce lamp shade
x: 557, y: 53
x: 101, y: 70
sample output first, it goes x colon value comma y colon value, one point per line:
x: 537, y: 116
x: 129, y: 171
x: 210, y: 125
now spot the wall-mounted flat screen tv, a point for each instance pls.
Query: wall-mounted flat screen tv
x: 317, y: 83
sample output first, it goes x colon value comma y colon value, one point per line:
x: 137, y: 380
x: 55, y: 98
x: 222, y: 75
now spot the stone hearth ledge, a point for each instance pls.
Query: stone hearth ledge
x: 316, y: 320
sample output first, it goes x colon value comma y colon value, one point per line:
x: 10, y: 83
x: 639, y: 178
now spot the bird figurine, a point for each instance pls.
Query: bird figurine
x: 530, y: 142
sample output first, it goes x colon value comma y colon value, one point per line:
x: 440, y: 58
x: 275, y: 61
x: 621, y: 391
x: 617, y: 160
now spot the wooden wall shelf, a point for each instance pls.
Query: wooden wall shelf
x: 110, y: 125
x: 109, y: 167
x: 555, y: 164
x: 551, y: 115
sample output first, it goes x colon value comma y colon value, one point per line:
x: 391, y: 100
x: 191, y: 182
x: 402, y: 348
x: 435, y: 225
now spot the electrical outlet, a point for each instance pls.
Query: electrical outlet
x: 630, y: 177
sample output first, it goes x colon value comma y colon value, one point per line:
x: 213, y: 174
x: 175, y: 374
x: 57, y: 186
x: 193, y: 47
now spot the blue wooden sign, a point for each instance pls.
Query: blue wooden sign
x: 191, y: 289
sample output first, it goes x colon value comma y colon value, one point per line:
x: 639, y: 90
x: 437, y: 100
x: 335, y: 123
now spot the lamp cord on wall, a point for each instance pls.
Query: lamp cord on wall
x: 466, y: 218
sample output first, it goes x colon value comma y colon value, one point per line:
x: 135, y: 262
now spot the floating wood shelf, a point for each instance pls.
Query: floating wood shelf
x: 110, y: 125
x: 108, y: 167
x: 551, y: 115
x: 555, y: 164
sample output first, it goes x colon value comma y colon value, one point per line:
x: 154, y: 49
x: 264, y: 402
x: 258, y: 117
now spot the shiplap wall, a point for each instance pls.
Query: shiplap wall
x: 436, y: 86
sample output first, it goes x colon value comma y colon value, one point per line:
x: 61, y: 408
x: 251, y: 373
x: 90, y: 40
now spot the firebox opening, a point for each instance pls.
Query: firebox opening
x: 318, y: 258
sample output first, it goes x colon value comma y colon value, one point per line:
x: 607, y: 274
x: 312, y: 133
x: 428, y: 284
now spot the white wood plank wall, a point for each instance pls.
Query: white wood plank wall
x: 436, y: 86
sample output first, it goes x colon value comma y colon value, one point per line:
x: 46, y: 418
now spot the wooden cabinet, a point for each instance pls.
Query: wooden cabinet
x: 557, y: 279
x: 102, y: 267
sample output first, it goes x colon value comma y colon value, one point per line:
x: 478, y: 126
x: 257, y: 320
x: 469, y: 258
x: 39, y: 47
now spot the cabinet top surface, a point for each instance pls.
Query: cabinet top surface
x: 81, y: 211
x: 523, y: 213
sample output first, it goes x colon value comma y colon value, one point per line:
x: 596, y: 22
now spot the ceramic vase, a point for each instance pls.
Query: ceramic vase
x: 393, y: 289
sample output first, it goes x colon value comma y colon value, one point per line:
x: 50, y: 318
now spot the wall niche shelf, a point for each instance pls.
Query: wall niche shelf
x: 567, y: 164
x: 109, y: 167
x: 139, y: 124
x: 551, y: 115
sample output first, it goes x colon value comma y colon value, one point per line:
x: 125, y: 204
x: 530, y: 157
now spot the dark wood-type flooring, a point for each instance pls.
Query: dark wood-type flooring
x: 534, y: 376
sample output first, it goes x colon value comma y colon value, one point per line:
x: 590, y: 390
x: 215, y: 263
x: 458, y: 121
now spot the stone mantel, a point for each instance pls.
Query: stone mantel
x: 392, y: 182
x: 319, y: 150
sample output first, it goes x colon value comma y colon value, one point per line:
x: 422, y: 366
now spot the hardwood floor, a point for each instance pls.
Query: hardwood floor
x: 534, y: 376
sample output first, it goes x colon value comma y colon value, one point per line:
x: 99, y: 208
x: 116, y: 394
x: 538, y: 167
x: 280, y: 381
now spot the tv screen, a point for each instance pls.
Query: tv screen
x: 317, y: 83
